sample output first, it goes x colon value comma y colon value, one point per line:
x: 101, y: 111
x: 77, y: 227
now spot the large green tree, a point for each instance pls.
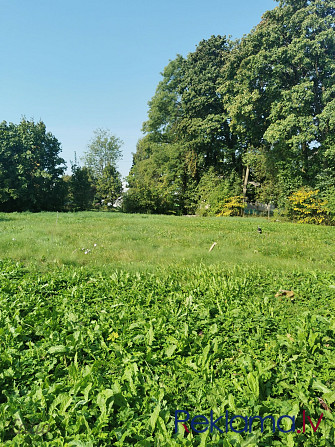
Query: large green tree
x: 261, y: 108
x: 186, y: 131
x: 104, y: 149
x: 30, y: 168
x: 160, y: 178
x: 204, y: 124
x: 81, y: 189
x: 109, y: 186
x: 278, y: 89
x: 101, y: 158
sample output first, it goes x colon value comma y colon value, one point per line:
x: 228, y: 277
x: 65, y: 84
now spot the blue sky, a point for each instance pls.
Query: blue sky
x: 81, y: 64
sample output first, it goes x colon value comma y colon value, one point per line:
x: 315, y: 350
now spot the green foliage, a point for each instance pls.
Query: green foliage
x: 30, y: 168
x: 279, y: 90
x: 165, y: 107
x: 81, y: 189
x: 93, y: 359
x: 103, y: 150
x: 263, y: 105
x: 109, y: 186
x: 214, y: 191
x: 149, y: 190
x: 92, y: 354
x: 162, y: 179
x: 203, y: 125
x: 186, y: 132
x: 287, y: 181
x: 328, y: 196
x: 100, y: 170
x: 276, y: 83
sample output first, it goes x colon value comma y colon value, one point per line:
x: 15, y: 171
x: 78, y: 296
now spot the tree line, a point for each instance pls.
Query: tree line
x: 235, y: 121
x: 245, y: 120
x: 32, y: 173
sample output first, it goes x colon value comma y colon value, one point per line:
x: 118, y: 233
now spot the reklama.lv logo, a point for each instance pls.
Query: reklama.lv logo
x: 211, y: 424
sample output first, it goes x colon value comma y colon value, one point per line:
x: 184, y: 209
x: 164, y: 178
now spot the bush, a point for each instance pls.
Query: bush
x: 214, y: 192
x: 307, y: 206
x: 329, y: 196
x: 232, y: 206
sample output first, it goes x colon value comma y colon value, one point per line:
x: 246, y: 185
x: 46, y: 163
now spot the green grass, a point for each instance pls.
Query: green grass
x: 142, y: 242
x: 101, y: 349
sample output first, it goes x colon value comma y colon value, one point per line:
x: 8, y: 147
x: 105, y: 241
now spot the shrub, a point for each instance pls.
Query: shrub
x: 214, y: 191
x: 232, y: 206
x: 306, y: 206
x: 329, y: 196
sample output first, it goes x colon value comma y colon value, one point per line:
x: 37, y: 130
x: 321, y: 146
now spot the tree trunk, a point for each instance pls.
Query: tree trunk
x: 245, y: 184
x: 304, y: 157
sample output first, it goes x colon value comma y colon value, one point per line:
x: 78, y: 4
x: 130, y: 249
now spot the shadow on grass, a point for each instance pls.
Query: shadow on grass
x: 5, y: 218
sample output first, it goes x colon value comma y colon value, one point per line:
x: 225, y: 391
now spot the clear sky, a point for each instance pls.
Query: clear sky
x: 82, y: 64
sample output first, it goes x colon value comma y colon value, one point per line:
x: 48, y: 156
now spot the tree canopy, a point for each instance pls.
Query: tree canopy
x: 261, y: 109
x: 103, y: 150
x: 30, y: 168
x: 100, y: 160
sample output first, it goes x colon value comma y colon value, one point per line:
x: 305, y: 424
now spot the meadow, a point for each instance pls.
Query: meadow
x: 112, y: 322
x: 134, y: 242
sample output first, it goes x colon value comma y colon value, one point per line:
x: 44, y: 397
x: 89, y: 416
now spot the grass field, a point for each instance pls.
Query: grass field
x: 102, y: 348
x: 141, y: 242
